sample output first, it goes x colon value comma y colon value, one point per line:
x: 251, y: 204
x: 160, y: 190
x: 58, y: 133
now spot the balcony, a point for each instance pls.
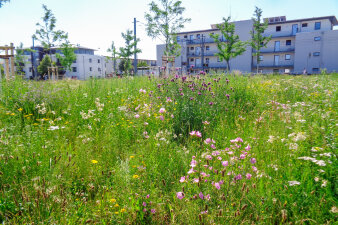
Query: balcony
x: 202, y: 41
x: 221, y: 65
x: 199, y: 54
x: 280, y: 34
x: 275, y: 65
x: 281, y: 50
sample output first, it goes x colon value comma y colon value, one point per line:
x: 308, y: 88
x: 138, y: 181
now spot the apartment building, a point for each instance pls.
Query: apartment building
x: 309, y: 44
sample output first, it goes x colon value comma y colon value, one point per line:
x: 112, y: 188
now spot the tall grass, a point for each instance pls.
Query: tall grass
x: 120, y: 150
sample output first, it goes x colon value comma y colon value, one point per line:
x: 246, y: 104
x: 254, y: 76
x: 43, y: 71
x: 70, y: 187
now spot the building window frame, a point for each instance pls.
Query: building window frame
x: 74, y: 69
x: 318, y: 25
x: 304, y: 24
x: 287, y: 57
x: 317, y: 38
x: 278, y: 28
x: 288, y: 42
x: 316, y: 54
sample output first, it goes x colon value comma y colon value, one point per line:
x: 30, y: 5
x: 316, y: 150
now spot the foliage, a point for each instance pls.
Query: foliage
x: 164, y: 20
x: 68, y: 56
x: 232, y: 46
x: 47, y: 33
x: 142, y: 64
x: 20, y: 59
x: 128, y: 51
x: 114, y: 54
x: 2, y: 2
x: 120, y: 150
x: 125, y: 66
x: 258, y: 41
x: 44, y: 64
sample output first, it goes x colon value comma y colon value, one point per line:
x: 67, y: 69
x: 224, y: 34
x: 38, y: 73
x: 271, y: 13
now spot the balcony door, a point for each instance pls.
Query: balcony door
x: 277, y: 46
x: 294, y: 29
x: 276, y: 60
x: 198, y: 51
x: 198, y: 63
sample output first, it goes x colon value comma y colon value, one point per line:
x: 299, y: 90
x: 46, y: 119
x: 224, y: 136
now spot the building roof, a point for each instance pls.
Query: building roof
x: 197, y: 31
x: 333, y: 20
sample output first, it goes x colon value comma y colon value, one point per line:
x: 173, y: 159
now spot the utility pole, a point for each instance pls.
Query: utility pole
x: 135, y: 56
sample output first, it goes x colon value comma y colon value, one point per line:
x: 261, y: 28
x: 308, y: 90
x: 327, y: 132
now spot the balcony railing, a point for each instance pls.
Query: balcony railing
x: 280, y: 34
x: 199, y: 54
x: 274, y: 64
x: 281, y: 50
x: 205, y: 41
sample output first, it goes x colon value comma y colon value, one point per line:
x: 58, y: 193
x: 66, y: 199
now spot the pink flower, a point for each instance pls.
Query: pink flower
x: 162, y: 118
x: 191, y: 171
x: 144, y: 210
x: 180, y: 195
x: 254, y: 168
x: 182, y: 179
x: 162, y: 110
x: 196, y: 180
x: 242, y: 156
x: 137, y: 116
x: 193, y: 163
x: 207, y: 141
x: 248, y: 176
x: 172, y: 116
x: 143, y: 91
x: 217, y: 185
x: 248, y: 148
x: 208, y: 157
x: 201, y: 195
x: 153, y: 211
x: 206, y: 123
x: 219, y: 158
x: 207, y: 197
x: 225, y: 163
x: 192, y: 133
x: 198, y: 134
x: 146, y: 124
x: 253, y: 160
x: 144, y: 204
x: 238, y: 177
x: 212, y: 146
x: 147, y: 196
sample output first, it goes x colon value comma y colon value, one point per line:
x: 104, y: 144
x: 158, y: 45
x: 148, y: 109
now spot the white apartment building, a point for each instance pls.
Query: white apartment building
x: 309, y: 44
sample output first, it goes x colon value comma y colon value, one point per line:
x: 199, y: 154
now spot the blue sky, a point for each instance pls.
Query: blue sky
x: 96, y: 23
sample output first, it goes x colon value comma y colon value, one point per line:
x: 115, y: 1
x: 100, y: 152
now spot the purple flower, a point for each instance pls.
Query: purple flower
x: 211, y: 103
x: 207, y: 197
x: 201, y: 195
x: 192, y: 133
x: 162, y: 110
x: 162, y: 118
x: 180, y: 195
x: 225, y: 163
x: 147, y: 196
x: 193, y: 163
x: 212, y: 146
x: 144, y: 210
x: 248, y: 148
x: 207, y: 141
x: 153, y: 211
x: 242, y: 156
x: 137, y: 116
x: 219, y: 158
x: 198, y: 134
x: 191, y: 171
x: 144, y: 204
x: 248, y: 176
x: 217, y: 185
x: 208, y: 157
x: 182, y: 179
x: 253, y: 160
x: 196, y: 180
x: 254, y: 168
x: 238, y: 177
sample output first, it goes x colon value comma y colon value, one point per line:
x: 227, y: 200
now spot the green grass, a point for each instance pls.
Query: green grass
x: 73, y: 152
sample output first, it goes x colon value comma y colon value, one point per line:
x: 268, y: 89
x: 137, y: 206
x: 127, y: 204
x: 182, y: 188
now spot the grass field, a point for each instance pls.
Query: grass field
x: 191, y: 150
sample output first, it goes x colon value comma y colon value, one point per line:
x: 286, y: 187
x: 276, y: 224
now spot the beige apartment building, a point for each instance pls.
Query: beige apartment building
x: 309, y: 44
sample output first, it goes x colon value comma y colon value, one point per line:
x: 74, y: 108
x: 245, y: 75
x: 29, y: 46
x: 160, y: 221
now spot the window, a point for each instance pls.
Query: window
x: 198, y: 36
x: 317, y: 38
x: 218, y: 59
x: 191, y: 60
x: 191, y: 48
x: 260, y: 71
x: 315, y: 70
x: 30, y: 69
x: 287, y: 57
x: 90, y: 69
x: 98, y: 61
x: 317, y: 25
x: 304, y: 25
x: 90, y: 60
x: 74, y: 61
x: 74, y: 69
x: 278, y: 28
x: 286, y: 70
x: 207, y: 48
x: 288, y: 42
x: 178, y: 38
x: 316, y: 54
x: 260, y: 58
x: 99, y: 69
x: 275, y: 70
x: 207, y: 60
x: 185, y: 36
x: 192, y: 37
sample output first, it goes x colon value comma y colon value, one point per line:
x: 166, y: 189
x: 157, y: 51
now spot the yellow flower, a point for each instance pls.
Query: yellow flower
x: 116, y: 212
x: 123, y: 210
x: 132, y: 156
x: 116, y: 205
x: 94, y: 161
x: 20, y: 109
x: 113, y: 200
x: 12, y: 114
x: 135, y: 176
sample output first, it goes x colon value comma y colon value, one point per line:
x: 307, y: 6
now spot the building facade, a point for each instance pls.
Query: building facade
x: 309, y: 44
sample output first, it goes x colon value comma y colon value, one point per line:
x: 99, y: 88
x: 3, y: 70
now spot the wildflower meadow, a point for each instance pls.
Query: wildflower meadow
x: 203, y: 149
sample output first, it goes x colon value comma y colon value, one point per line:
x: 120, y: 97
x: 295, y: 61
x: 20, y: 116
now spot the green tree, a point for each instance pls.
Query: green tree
x: 232, y: 46
x: 128, y: 51
x: 143, y: 64
x: 19, y: 59
x: 47, y: 33
x: 164, y: 21
x: 114, y: 54
x: 125, y: 66
x: 44, y: 64
x: 258, y: 41
x: 2, y: 2
x: 68, y: 55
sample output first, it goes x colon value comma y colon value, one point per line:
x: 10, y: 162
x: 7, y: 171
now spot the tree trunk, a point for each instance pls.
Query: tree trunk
x: 228, y: 66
